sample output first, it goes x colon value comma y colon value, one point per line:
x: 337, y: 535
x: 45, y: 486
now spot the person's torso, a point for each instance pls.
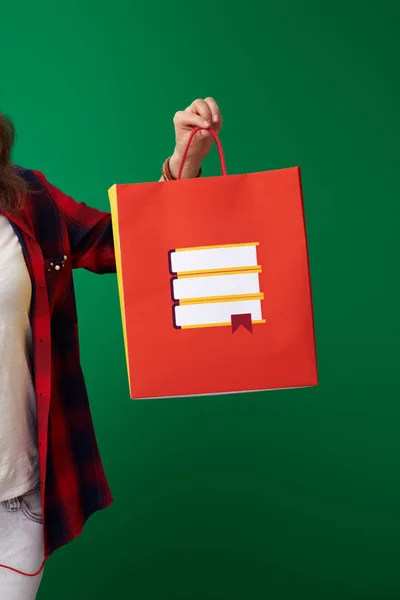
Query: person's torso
x: 18, y: 429
x: 72, y: 479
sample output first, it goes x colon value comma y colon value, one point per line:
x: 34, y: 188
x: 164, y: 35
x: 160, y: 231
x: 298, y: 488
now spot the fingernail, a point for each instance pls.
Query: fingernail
x: 216, y: 118
x: 207, y: 124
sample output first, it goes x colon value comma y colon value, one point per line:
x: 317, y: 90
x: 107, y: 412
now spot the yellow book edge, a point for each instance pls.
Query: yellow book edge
x: 112, y: 194
x: 194, y: 248
x: 259, y: 322
x: 214, y: 299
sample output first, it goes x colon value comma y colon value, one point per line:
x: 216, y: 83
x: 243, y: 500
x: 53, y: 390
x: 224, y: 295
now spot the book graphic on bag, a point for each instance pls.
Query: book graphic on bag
x: 216, y: 286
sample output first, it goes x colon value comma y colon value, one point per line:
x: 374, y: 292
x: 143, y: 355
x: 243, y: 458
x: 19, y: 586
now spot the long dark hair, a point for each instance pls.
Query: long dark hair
x: 13, y: 188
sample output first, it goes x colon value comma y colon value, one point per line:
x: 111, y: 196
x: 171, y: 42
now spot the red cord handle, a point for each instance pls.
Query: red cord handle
x: 23, y: 572
x: 219, y: 146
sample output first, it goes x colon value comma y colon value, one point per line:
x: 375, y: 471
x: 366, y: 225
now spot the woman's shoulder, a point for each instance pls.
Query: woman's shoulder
x: 29, y: 174
x: 36, y: 182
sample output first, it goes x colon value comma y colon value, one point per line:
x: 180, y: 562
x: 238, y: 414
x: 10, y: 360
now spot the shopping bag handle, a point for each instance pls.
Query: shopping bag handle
x: 219, y: 146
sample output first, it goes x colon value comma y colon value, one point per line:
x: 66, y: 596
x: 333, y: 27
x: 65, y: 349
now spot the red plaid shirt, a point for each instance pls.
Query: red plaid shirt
x: 57, y: 235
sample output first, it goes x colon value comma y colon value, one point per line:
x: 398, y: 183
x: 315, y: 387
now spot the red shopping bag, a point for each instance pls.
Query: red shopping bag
x: 214, y: 284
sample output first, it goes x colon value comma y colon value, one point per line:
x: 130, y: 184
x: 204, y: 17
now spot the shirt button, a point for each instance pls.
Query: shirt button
x: 57, y: 267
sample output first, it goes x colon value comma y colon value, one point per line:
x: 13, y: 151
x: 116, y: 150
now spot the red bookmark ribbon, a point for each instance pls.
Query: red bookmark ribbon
x: 243, y: 320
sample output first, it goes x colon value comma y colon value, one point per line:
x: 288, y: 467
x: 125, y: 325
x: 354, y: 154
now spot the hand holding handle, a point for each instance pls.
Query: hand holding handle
x: 219, y: 146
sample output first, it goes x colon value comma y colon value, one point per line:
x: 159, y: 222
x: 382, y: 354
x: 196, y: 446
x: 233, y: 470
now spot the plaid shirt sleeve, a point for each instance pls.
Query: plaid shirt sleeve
x: 89, y: 230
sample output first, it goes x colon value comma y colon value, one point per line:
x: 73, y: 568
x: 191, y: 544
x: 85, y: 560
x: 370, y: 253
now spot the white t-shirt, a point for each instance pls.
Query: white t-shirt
x: 19, y: 462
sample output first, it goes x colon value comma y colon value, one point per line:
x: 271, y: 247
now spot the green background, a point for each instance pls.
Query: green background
x: 286, y: 495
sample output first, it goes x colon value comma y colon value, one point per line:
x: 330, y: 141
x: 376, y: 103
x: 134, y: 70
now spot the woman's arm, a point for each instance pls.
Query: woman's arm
x: 89, y: 231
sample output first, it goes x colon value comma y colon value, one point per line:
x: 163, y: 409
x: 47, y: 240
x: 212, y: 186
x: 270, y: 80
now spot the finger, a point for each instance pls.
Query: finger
x: 200, y: 107
x: 188, y: 119
x: 217, y: 125
x: 214, y: 109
